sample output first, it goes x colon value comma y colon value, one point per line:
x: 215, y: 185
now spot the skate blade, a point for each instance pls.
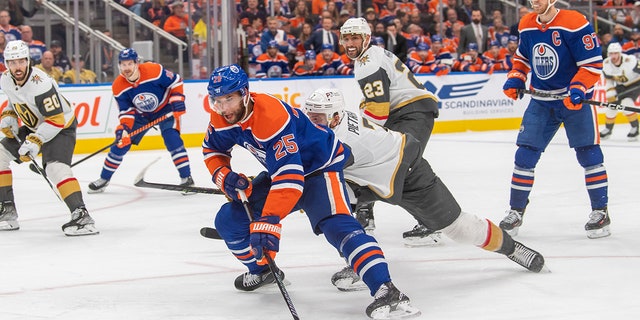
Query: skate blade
x: 599, y: 233
x: 427, y: 241
x: 9, y: 225
x: 347, y: 285
x: 87, y: 230
x: 271, y: 287
x: 402, y: 311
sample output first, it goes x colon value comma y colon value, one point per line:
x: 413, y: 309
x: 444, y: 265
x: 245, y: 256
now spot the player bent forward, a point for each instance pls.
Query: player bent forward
x: 304, y: 164
x: 49, y: 125
x: 388, y: 166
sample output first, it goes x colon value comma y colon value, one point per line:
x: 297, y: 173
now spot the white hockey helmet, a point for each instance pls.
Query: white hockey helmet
x: 325, y: 100
x: 614, y: 47
x: 16, y: 49
x: 357, y: 26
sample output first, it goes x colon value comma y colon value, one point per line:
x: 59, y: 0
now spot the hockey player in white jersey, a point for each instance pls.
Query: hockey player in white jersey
x: 389, y: 166
x: 48, y: 126
x: 622, y: 84
x: 393, y: 97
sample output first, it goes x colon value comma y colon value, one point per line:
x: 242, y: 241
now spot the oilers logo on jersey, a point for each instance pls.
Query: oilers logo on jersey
x: 545, y: 61
x: 145, y: 102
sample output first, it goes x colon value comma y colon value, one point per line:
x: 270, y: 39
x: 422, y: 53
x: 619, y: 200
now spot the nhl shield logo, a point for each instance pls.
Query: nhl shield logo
x: 545, y: 61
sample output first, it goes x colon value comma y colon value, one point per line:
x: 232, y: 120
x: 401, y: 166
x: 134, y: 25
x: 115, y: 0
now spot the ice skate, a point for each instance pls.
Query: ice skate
x: 249, y: 282
x: 8, y: 216
x: 598, y: 224
x: 512, y: 222
x: 605, y: 133
x: 98, y: 186
x: 421, y: 236
x: 633, y: 134
x: 187, y: 182
x: 348, y: 280
x: 81, y: 224
x: 390, y: 303
x: 364, y: 215
x: 526, y: 257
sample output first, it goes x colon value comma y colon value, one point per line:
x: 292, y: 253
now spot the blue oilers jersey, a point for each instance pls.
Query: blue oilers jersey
x: 562, y: 53
x: 283, y: 140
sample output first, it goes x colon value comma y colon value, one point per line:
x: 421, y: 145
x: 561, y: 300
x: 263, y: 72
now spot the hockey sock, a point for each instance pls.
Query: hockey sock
x: 181, y: 161
x: 6, y: 185
x: 361, y: 250
x: 633, y: 123
x: 111, y: 163
x: 597, y: 185
x: 521, y: 185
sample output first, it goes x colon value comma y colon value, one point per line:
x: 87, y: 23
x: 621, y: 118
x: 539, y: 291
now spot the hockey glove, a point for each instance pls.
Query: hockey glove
x: 9, y: 123
x: 230, y: 182
x: 574, y: 100
x: 122, y: 135
x: 265, y: 235
x: 30, y: 147
x: 515, y: 81
x: 178, y: 109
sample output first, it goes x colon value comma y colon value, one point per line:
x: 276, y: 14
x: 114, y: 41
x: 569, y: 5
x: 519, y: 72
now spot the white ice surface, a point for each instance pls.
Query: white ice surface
x: 149, y: 261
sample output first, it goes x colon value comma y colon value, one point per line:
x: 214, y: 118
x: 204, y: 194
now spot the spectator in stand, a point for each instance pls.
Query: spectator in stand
x: 274, y: 32
x: 106, y: 56
x: 510, y: 51
x: 306, y: 67
x: 305, y: 34
x: 499, y: 32
x: 395, y: 42
x: 254, y: 50
x: 60, y: 58
x: 323, y: 36
x: 633, y: 46
x: 10, y: 31
x: 418, y: 60
x: 281, y: 12
x: 344, y: 16
x: 156, y: 13
x: 371, y: 16
x: 470, y: 61
x: 618, y: 35
x: 415, y: 36
x: 300, y: 15
x: 494, y: 58
x: 415, y: 17
x: 620, y: 13
x: 467, y: 8
x: 329, y: 63
x: 440, y: 56
x: 377, y: 41
x: 523, y: 11
x: 46, y: 65
x: 36, y: 47
x: 3, y: 43
x: 317, y: 6
x: 252, y: 12
x: 452, y: 20
x: 333, y: 9
x: 635, y: 13
x: 401, y: 20
x: 388, y: 11
x: 474, y: 32
x: 177, y: 24
x: 18, y: 10
x: 406, y: 5
x: 379, y: 28
x: 453, y: 41
x: 273, y: 64
x: 86, y: 75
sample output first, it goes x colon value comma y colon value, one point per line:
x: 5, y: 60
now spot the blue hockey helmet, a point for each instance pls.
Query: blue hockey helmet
x: 228, y: 79
x: 327, y: 46
x: 436, y: 38
x: 272, y: 44
x: 472, y: 46
x: 128, y: 54
x: 309, y: 55
x: 513, y: 38
x: 377, y: 41
x: 494, y: 43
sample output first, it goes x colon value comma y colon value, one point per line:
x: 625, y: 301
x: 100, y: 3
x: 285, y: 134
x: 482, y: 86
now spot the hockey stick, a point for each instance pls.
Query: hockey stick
x: 270, y: 262
x: 132, y: 134
x: 139, y: 182
x: 40, y: 170
x: 609, y: 105
x: 210, y: 233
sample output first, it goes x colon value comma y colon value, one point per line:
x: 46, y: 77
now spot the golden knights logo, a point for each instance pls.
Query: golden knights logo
x: 364, y: 60
x: 36, y: 79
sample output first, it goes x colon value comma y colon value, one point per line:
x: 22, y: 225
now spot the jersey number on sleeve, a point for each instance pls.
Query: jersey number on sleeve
x: 590, y: 41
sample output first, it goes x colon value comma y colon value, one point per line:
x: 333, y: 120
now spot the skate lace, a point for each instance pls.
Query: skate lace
x: 596, y: 215
x: 251, y: 279
x: 522, y: 255
x: 513, y: 217
x: 382, y: 292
